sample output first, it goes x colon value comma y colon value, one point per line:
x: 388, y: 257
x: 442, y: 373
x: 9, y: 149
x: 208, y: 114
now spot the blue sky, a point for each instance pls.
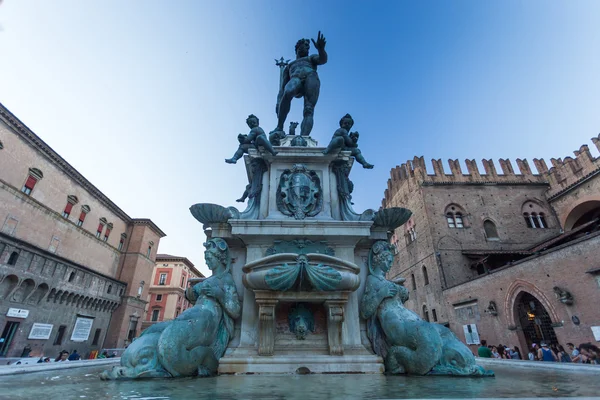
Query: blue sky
x: 146, y: 98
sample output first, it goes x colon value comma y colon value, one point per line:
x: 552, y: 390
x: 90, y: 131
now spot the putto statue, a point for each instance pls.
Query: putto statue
x: 406, y: 342
x: 343, y: 139
x: 256, y: 137
x: 300, y: 79
x: 192, y: 343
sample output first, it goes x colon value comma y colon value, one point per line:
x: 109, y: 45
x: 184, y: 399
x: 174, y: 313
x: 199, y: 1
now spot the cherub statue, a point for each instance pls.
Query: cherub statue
x: 343, y: 139
x: 256, y: 137
x: 406, y: 342
x: 293, y: 126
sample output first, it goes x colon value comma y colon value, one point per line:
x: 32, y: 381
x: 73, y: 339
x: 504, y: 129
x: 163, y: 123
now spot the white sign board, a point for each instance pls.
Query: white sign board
x: 40, y: 331
x: 17, y: 313
x: 596, y: 332
x: 81, y: 331
x: 471, y: 334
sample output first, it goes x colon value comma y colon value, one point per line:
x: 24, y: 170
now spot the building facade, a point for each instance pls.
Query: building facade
x: 74, y: 267
x: 166, y: 295
x: 509, y: 257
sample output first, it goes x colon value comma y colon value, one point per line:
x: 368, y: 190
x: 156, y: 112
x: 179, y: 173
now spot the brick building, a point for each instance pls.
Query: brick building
x: 510, y: 257
x: 166, y: 295
x: 74, y: 267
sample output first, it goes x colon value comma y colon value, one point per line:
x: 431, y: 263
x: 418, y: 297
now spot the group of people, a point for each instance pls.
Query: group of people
x: 65, y: 356
x: 585, y: 353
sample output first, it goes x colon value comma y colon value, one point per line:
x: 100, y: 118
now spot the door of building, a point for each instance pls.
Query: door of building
x: 535, y: 321
x: 7, y: 336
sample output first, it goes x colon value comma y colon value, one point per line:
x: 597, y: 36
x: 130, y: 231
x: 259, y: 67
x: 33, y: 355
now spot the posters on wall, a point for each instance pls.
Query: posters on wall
x: 81, y: 331
x: 17, y: 313
x: 40, y: 331
x: 596, y: 332
x: 471, y: 334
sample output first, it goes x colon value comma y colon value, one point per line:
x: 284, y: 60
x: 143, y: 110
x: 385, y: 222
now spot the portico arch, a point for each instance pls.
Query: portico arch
x: 584, y: 211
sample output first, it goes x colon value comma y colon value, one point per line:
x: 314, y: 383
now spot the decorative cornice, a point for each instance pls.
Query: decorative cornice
x: 148, y: 222
x: 33, y: 140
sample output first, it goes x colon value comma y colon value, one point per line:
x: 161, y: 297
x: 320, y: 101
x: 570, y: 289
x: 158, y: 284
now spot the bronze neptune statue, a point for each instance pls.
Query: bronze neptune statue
x: 406, y: 342
x: 192, y: 343
x: 300, y: 79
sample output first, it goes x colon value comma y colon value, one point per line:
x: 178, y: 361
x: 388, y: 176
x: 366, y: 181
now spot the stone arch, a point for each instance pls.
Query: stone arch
x: 512, y: 294
x: 8, y: 285
x: 24, y: 290
x: 58, y: 295
x: 51, y: 295
x: 38, y: 295
x: 585, y: 210
x: 535, y: 213
x: 456, y: 216
x: 64, y: 297
x: 75, y: 300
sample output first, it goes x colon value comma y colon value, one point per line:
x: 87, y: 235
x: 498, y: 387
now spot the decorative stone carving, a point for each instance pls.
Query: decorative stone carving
x: 563, y: 296
x: 406, y: 342
x: 335, y: 318
x: 299, y: 141
x: 192, y: 343
x: 301, y: 321
x: 266, y: 326
x: 301, y: 273
x: 300, y: 246
x: 299, y: 193
x: 492, y: 308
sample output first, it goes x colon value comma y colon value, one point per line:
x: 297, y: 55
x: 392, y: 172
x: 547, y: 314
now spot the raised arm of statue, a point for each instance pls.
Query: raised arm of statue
x: 321, y: 58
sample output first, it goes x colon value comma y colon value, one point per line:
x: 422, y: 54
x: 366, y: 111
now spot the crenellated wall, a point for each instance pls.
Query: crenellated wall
x: 563, y: 174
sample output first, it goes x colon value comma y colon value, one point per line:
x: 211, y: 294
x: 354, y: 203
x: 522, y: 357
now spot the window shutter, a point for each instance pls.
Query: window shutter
x: 107, y: 232
x: 82, y: 216
x: 100, y: 226
x: 68, y: 208
x: 31, y: 181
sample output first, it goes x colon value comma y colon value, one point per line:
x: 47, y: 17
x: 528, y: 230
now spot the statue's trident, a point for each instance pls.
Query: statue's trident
x: 281, y: 63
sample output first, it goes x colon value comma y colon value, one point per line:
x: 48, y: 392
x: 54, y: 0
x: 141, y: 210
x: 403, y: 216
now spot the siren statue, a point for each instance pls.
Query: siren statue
x: 406, y: 342
x: 192, y: 343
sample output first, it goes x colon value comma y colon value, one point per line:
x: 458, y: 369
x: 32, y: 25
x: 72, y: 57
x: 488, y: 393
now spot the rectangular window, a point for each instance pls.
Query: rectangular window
x: 183, y: 281
x: 163, y: 279
x: 29, y: 185
x: 149, y: 251
x: 96, y: 337
x: 81, y: 218
x: 159, y: 297
x: 99, y: 230
x: 59, y: 335
x: 121, y: 242
x: 155, y: 314
x: 67, y: 210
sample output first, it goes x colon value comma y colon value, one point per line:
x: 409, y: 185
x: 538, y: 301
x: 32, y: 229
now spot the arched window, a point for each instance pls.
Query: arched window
x: 425, y: 276
x: 101, y: 224
x: 12, y: 260
x: 109, y: 289
x: 534, y: 215
x: 414, y: 282
x: 107, y: 232
x: 455, y: 216
x: 491, y: 232
x: 122, y: 241
x: 434, y: 315
x: 425, y: 313
x: 72, y: 277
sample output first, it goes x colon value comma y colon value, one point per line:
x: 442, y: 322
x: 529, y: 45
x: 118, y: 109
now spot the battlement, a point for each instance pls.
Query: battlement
x: 563, y: 173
